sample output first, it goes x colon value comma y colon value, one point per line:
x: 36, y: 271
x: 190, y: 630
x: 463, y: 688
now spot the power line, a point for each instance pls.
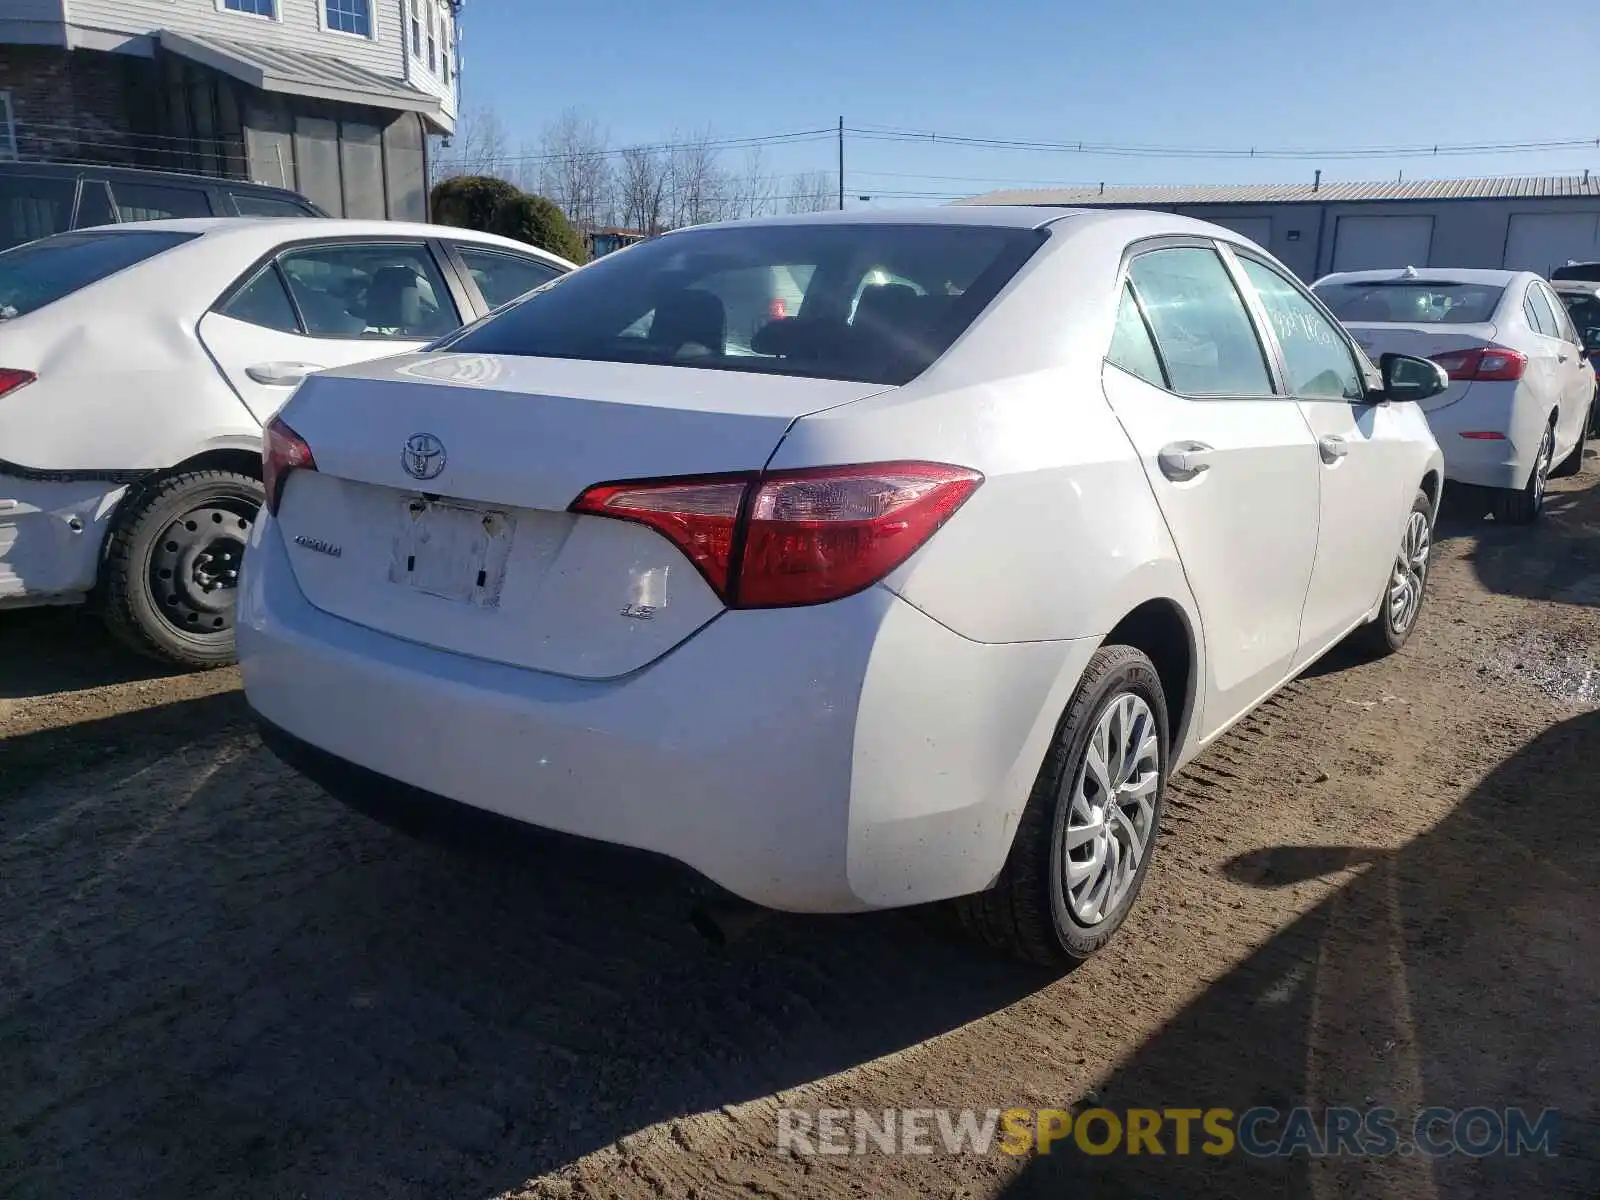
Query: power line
x: 1116, y: 149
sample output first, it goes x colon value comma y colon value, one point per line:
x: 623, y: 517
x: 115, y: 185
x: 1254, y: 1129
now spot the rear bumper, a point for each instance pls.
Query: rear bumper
x: 848, y: 756
x: 1488, y: 407
x: 51, y: 532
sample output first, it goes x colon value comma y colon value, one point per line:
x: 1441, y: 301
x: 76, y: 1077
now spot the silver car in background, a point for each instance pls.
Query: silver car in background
x: 1522, y: 386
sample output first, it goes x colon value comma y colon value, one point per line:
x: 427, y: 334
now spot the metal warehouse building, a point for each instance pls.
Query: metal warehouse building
x: 1529, y: 223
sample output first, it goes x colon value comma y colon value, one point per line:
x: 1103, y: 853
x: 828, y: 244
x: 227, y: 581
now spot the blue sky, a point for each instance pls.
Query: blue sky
x: 1232, y: 74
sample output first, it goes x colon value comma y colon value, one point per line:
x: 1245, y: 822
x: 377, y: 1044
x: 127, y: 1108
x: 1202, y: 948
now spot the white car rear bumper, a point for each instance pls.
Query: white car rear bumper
x: 842, y: 757
x: 1505, y: 408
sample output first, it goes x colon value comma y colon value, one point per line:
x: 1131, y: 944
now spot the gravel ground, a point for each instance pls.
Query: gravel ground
x: 1379, y: 888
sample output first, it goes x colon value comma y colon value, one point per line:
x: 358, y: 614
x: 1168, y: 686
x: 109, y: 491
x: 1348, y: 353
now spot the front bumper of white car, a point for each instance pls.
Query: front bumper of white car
x: 842, y: 757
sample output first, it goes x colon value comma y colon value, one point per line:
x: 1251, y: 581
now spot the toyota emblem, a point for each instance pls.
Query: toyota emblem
x: 423, y: 457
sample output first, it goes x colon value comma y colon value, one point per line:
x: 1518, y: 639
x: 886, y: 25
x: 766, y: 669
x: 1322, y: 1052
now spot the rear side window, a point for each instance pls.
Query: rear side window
x: 147, y: 202
x: 264, y: 302
x: 1206, y: 339
x: 877, y: 303
x: 41, y: 273
x: 34, y: 207
x: 248, y: 205
x: 1543, y: 319
x: 370, y: 290
x: 1131, y: 347
x: 503, y: 277
x: 1438, y: 303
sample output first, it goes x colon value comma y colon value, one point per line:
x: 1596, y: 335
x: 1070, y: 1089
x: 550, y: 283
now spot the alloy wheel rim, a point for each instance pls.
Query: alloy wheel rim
x: 1410, y: 574
x: 194, y: 567
x: 1541, y: 467
x: 1111, y: 814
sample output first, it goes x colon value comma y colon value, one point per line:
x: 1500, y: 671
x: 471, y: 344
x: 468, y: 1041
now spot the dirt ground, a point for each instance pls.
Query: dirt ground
x: 1381, y: 888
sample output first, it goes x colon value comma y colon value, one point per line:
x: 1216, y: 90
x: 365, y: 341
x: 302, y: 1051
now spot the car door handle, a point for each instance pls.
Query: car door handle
x: 281, y: 374
x: 1183, y: 461
x: 1333, y: 448
x: 1562, y: 357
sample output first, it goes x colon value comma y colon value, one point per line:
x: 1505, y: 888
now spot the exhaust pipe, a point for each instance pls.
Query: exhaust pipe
x: 723, y: 922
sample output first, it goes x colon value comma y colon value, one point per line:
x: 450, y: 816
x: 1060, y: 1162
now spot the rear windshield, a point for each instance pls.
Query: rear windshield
x: 1583, y: 308
x: 42, y: 272
x: 1587, y: 270
x: 1412, y: 302
x: 868, y: 302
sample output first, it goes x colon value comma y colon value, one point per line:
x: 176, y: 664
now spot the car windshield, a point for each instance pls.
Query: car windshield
x: 42, y: 272
x: 1412, y: 302
x: 870, y: 302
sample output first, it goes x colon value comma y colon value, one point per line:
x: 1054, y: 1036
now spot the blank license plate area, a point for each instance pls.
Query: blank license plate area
x: 452, y: 551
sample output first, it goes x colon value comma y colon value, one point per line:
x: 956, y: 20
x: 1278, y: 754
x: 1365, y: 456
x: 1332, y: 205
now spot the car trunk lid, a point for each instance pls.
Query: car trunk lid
x: 1424, y: 341
x: 438, y: 509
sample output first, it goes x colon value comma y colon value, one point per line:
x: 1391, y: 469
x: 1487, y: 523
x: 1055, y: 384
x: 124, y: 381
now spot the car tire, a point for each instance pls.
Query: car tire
x: 170, y: 576
x: 1522, y: 506
x: 1573, y: 463
x: 1033, y: 912
x: 1407, y: 586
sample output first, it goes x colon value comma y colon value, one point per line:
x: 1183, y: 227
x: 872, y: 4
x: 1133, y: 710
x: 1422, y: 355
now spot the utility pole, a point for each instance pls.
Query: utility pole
x: 841, y: 164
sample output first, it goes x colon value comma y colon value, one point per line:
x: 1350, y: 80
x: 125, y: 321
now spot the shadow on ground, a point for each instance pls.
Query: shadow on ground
x: 48, y: 650
x: 1553, y: 559
x: 216, y: 981
x: 1391, y: 994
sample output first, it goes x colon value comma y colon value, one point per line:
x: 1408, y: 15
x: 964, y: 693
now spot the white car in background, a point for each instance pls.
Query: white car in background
x: 1517, y: 408
x: 138, y: 364
x: 923, y: 593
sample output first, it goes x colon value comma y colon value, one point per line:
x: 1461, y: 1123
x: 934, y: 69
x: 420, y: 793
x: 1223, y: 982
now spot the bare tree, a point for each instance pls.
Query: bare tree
x: 758, y: 187
x: 641, y: 188
x: 699, y: 190
x: 575, y: 170
x: 812, y: 191
x: 478, y: 146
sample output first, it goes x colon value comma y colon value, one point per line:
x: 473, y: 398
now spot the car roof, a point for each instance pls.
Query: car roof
x: 154, y: 174
x: 264, y: 233
x: 1424, y: 275
x: 1015, y: 216
x: 1577, y: 287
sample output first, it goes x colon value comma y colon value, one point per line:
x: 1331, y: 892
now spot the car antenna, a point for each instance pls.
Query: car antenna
x: 1409, y: 273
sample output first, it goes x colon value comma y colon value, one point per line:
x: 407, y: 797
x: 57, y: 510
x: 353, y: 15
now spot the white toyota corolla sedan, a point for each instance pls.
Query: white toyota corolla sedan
x: 1516, y: 412
x: 920, y: 590
x: 138, y: 363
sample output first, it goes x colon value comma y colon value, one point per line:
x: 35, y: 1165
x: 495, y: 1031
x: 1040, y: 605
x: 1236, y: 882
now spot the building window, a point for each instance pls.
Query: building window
x: 433, y: 51
x: 8, y: 128
x: 444, y: 45
x: 416, y: 31
x: 350, y: 16
x: 255, y: 8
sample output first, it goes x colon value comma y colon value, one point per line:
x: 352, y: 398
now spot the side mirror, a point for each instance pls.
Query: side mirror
x: 1407, y: 377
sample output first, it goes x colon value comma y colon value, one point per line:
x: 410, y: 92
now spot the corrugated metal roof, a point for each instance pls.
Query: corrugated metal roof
x: 1506, y: 187
x: 299, y: 73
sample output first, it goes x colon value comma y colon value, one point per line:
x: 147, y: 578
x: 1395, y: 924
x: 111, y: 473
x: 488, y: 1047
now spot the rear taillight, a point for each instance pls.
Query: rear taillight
x: 282, y: 451
x: 793, y: 537
x: 11, y: 379
x: 1483, y: 363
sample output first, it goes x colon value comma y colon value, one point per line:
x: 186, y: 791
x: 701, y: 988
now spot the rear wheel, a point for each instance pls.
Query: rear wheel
x: 1523, y: 505
x: 1573, y: 463
x: 172, y: 566
x: 1086, y: 835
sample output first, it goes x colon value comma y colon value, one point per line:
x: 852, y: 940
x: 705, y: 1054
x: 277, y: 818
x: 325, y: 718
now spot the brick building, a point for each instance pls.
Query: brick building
x: 334, y: 98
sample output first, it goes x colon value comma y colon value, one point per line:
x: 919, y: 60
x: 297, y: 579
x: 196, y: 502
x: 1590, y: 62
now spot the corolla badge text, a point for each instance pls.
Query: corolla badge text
x: 423, y: 456
x: 317, y: 544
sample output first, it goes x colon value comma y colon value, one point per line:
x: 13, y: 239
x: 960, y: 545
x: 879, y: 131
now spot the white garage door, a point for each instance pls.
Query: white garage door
x: 1366, y: 243
x: 1542, y: 241
x: 1257, y: 229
